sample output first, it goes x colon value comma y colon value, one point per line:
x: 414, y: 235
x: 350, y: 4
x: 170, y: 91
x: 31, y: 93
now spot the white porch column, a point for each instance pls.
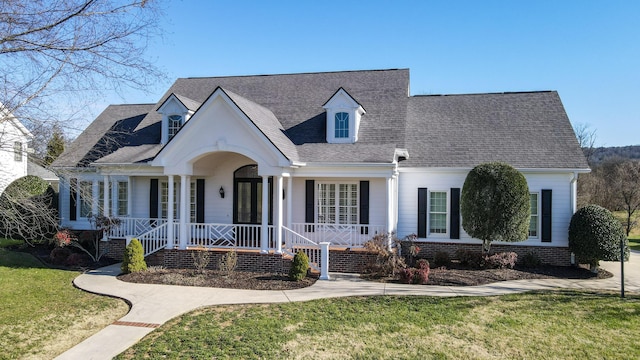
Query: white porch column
x: 289, y: 201
x: 106, y: 189
x: 185, y: 181
x: 279, y: 213
x: 264, y: 243
x: 170, y: 214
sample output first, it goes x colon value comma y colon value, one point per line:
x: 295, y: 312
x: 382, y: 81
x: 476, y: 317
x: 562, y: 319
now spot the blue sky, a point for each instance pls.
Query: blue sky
x: 589, y: 51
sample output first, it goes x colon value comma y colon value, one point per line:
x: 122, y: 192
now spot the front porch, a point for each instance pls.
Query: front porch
x: 316, y: 240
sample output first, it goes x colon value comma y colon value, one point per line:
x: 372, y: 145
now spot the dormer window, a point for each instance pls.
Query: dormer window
x: 342, y: 125
x: 343, y: 118
x: 176, y: 111
x: 175, y: 122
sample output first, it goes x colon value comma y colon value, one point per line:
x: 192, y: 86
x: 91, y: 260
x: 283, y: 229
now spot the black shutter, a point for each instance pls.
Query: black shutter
x: 546, y: 215
x: 309, y: 215
x: 454, y: 216
x: 153, y: 199
x: 73, y: 203
x: 364, y: 207
x: 422, y: 212
x: 200, y: 200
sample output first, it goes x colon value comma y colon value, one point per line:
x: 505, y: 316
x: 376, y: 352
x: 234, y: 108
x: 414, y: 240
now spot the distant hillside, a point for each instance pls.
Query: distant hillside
x: 602, y: 154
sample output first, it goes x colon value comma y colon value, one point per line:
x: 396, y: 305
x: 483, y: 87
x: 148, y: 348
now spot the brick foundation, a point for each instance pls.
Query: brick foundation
x: 350, y: 261
x: 115, y: 248
x: 560, y: 256
x: 247, y: 260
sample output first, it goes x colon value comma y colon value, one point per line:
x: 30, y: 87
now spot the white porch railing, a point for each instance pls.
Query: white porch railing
x: 241, y: 236
x: 153, y: 240
x: 134, y: 227
x: 318, y: 254
x: 338, y: 235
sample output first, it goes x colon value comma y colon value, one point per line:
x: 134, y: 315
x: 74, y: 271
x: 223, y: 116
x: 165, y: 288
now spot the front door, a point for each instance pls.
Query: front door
x: 247, y: 196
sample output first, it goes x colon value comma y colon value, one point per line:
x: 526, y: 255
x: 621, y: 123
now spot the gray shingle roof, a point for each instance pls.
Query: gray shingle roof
x: 112, y: 130
x: 526, y: 130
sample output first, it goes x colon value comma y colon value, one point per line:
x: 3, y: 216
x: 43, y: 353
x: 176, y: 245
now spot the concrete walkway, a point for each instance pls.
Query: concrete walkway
x: 153, y: 305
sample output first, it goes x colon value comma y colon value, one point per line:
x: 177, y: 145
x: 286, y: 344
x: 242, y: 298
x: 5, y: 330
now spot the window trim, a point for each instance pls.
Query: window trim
x: 447, y: 213
x: 537, y: 215
x: 336, y: 205
x: 172, y: 120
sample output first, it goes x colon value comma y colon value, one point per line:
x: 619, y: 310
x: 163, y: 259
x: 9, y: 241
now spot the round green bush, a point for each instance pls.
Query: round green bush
x: 299, y: 266
x: 133, y: 260
x: 595, y: 234
x: 495, y: 204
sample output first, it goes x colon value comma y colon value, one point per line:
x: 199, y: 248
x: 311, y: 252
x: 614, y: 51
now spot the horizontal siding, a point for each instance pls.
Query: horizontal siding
x: 409, y: 182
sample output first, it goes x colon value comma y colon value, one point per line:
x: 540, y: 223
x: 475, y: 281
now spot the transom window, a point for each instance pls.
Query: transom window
x: 342, y: 125
x: 175, y: 122
x: 338, y: 203
x: 438, y: 212
x: 533, y: 222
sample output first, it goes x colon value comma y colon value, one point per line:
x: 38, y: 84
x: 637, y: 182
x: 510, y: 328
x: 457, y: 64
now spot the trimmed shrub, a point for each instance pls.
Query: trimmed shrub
x: 419, y: 275
x: 530, y: 260
x: 133, y: 260
x: 595, y: 234
x: 503, y: 260
x: 441, y: 258
x: 299, y: 267
x: 495, y: 204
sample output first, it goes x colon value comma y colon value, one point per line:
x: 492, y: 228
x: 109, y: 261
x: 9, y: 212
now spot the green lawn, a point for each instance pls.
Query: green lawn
x: 549, y: 325
x: 41, y: 313
x: 9, y: 242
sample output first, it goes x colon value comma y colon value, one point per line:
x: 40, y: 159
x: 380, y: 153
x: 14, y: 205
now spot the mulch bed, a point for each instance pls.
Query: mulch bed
x: 215, y: 278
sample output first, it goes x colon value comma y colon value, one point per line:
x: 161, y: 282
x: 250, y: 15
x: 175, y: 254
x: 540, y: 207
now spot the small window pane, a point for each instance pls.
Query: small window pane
x: 342, y: 125
x: 175, y: 122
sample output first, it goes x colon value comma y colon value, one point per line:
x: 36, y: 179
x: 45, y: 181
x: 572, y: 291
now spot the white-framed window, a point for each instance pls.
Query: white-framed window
x: 85, y: 192
x: 164, y: 200
x: 123, y: 198
x: 192, y: 202
x: 17, y: 151
x: 533, y: 222
x: 342, y: 125
x: 100, y: 197
x: 175, y: 122
x: 438, y: 212
x: 338, y: 203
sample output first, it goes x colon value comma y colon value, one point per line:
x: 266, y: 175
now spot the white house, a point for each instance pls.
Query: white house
x: 278, y: 162
x: 14, y: 138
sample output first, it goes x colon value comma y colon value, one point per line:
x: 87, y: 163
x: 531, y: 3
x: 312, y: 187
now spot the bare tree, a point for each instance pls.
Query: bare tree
x: 54, y: 53
x: 56, y: 57
x: 626, y: 185
x: 586, y: 138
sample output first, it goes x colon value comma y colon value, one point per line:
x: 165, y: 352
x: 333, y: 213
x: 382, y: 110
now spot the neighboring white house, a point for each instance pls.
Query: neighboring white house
x: 342, y: 156
x: 14, y: 138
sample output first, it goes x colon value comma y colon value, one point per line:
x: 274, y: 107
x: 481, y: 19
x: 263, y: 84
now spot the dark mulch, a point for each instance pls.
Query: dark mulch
x: 470, y: 277
x: 215, y: 278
